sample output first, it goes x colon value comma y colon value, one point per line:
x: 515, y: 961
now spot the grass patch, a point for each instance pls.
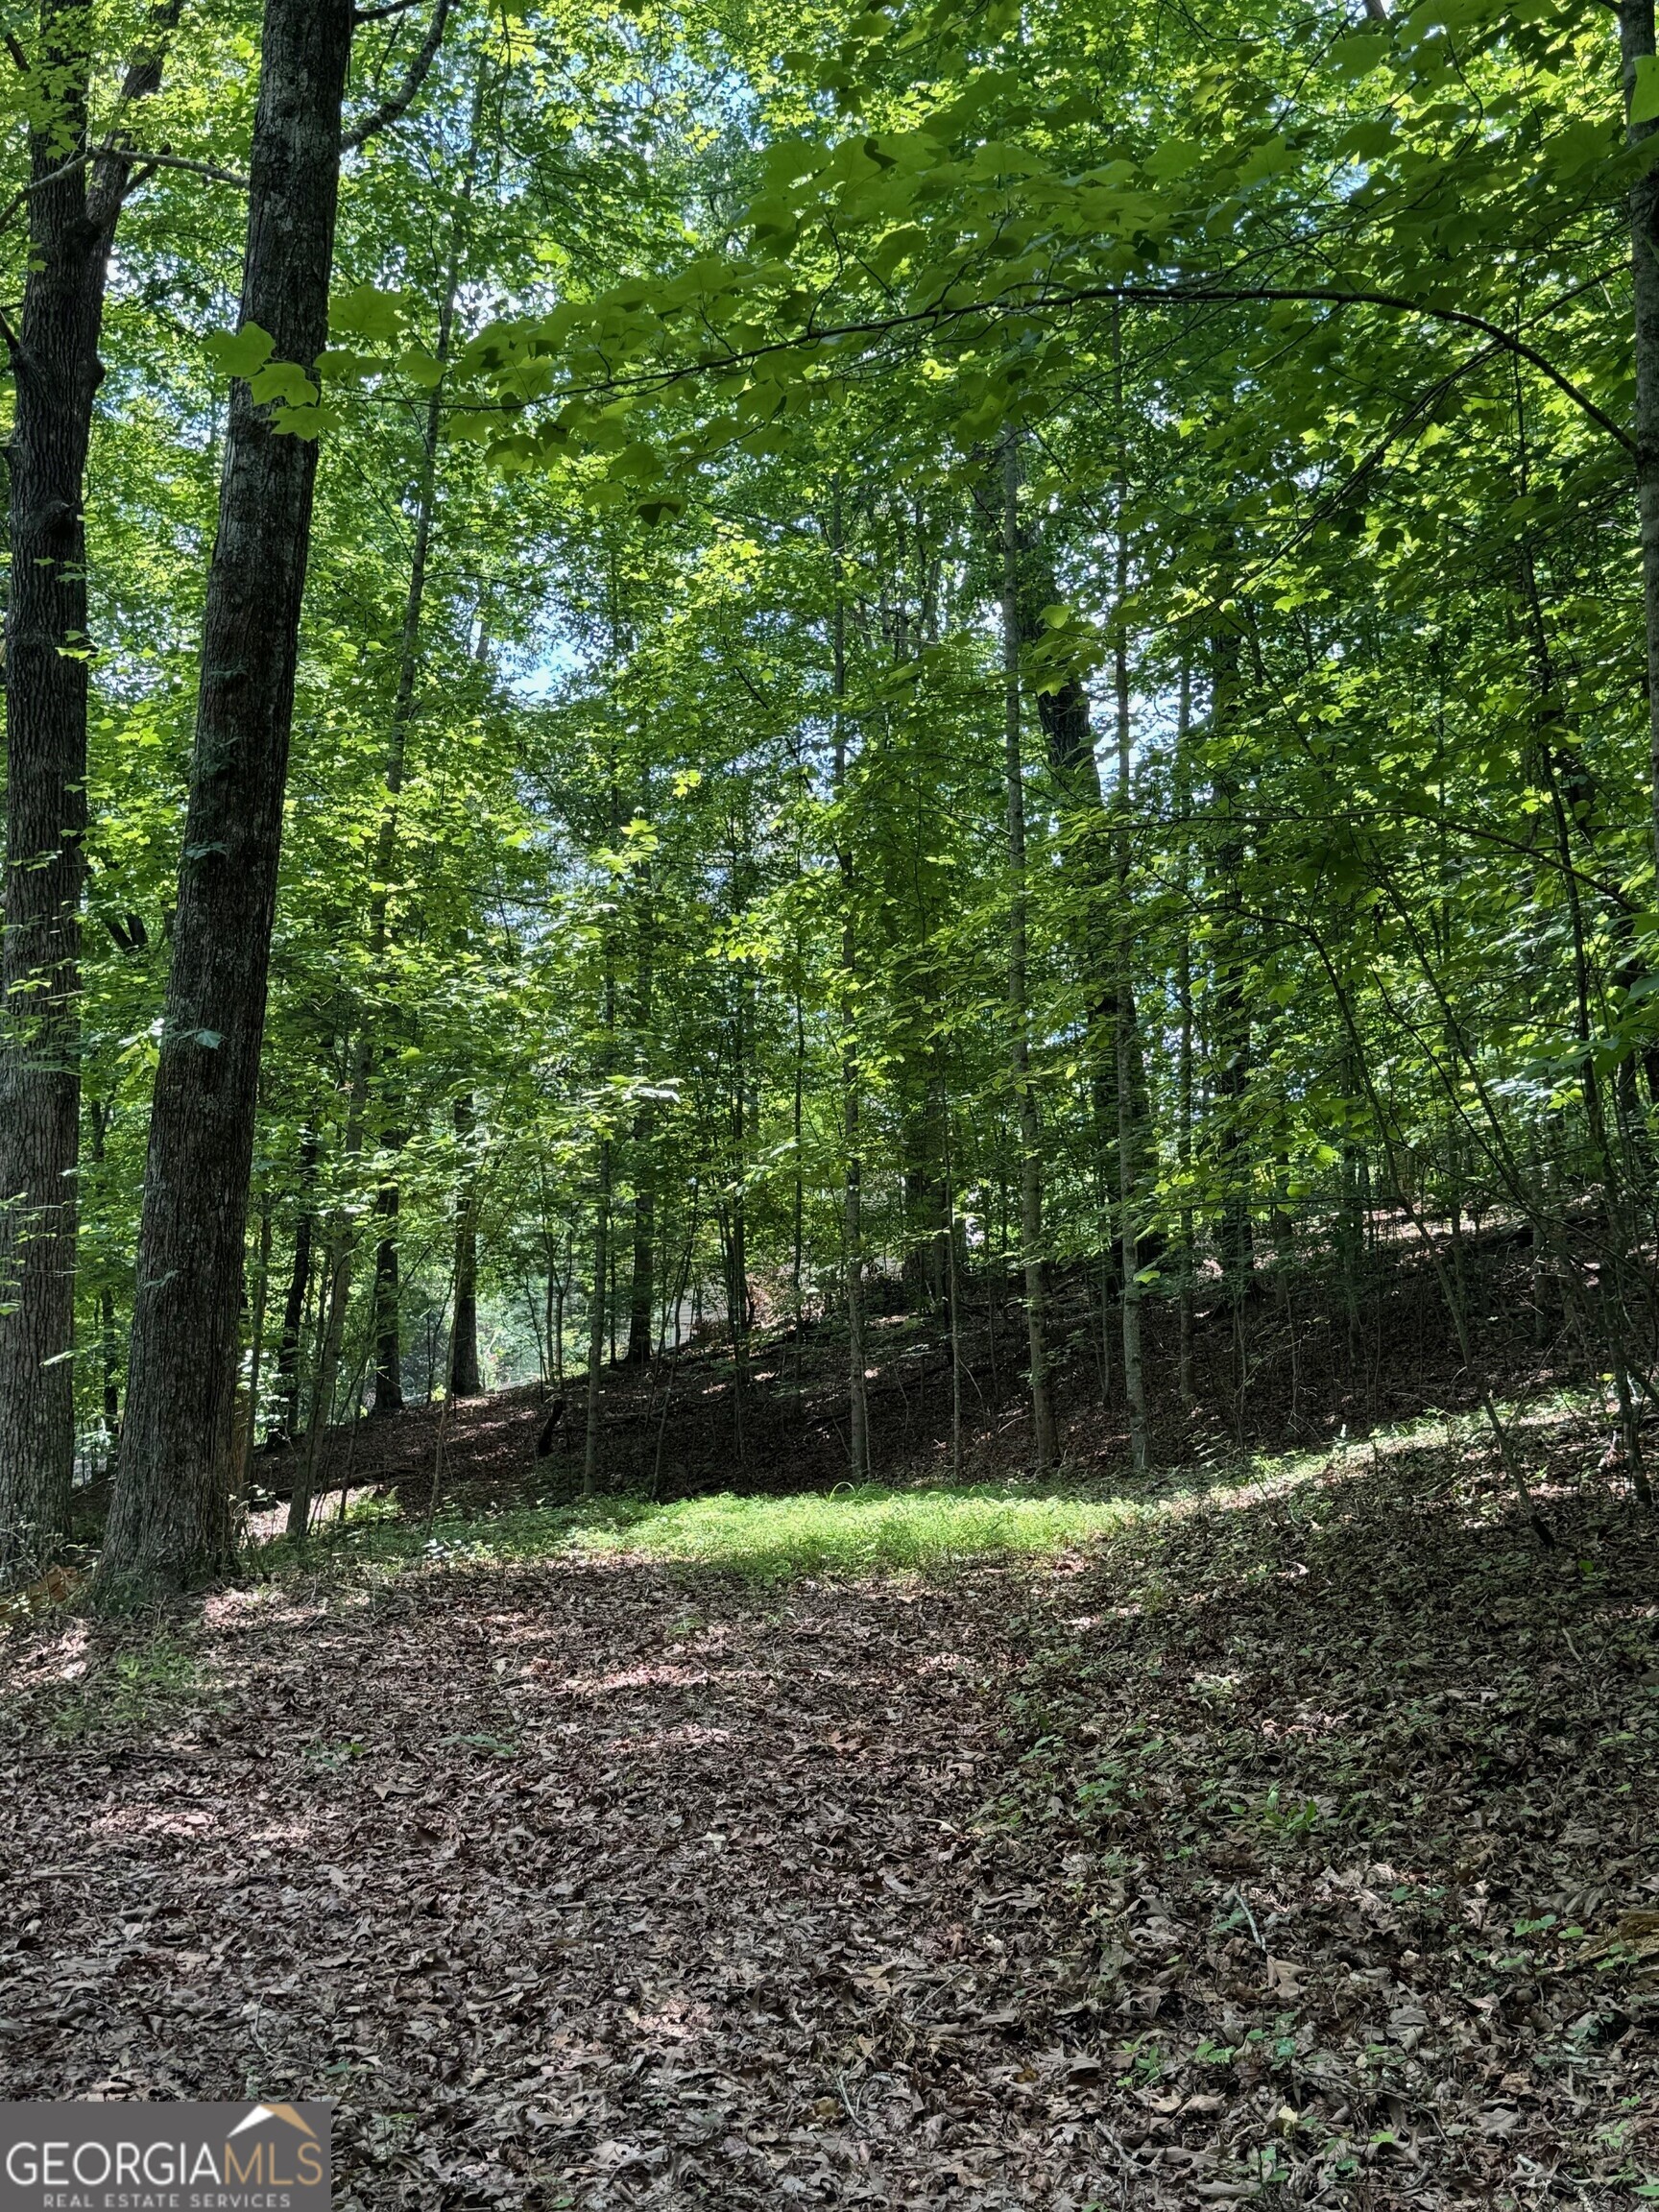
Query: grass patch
x: 858, y: 1532
x: 846, y: 1531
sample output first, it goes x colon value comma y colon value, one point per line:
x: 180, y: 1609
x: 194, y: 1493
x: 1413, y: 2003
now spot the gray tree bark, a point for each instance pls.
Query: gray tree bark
x: 56, y: 371
x: 169, y: 1524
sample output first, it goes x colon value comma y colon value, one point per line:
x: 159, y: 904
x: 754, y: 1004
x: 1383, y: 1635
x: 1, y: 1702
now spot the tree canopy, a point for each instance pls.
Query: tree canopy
x: 939, y: 649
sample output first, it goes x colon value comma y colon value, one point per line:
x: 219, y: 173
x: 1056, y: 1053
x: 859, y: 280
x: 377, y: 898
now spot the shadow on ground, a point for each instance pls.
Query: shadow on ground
x: 1289, y: 1845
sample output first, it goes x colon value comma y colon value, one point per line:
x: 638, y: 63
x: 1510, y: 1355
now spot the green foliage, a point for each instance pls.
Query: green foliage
x: 672, y: 810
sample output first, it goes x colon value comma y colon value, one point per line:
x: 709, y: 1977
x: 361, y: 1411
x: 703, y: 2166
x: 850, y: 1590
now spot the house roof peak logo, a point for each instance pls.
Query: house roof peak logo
x: 261, y: 2113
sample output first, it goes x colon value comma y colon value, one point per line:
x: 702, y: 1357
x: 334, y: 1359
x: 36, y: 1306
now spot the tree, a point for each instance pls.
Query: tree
x: 169, y: 1522
x: 74, y: 198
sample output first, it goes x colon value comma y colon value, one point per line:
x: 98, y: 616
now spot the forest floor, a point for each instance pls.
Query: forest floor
x: 1284, y: 1834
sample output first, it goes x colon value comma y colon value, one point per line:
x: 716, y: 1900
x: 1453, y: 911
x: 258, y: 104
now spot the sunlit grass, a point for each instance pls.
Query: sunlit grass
x: 845, y: 1533
x: 857, y: 1531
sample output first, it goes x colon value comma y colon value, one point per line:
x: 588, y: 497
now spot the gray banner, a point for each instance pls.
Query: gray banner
x: 164, y: 2157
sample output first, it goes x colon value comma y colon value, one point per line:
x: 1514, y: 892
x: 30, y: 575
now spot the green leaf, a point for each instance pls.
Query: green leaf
x: 242, y: 352
x: 1644, y: 93
x: 423, y: 369
x: 364, y: 312
x: 306, y: 422
x: 284, y: 381
x: 1173, y: 159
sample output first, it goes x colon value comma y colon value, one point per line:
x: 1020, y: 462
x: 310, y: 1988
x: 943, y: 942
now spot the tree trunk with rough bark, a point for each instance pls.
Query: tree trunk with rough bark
x: 55, y: 373
x: 169, y: 1524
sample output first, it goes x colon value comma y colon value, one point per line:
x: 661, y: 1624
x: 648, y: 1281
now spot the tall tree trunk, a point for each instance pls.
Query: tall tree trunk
x: 1127, y: 1034
x: 1183, y: 1048
x: 388, y: 1316
x: 954, y: 1298
x: 464, y: 1380
x: 298, y: 1289
x: 598, y: 1296
x: 1019, y: 1008
x: 643, y: 1290
x: 107, y: 1349
x: 642, y: 1294
x: 737, y: 1231
x: 337, y: 1280
x: 255, y: 1358
x: 1232, y: 1022
x: 55, y: 373
x: 98, y: 1119
x: 797, y: 1178
x: 597, y: 1301
x: 169, y: 1524
x: 853, y: 1185
x: 1064, y: 715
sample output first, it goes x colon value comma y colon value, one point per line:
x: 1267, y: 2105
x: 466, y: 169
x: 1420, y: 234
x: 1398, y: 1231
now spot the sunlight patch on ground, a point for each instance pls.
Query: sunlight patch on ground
x: 857, y: 1531
x: 854, y: 1532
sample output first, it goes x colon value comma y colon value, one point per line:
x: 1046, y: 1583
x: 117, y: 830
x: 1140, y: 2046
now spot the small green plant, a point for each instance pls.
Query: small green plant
x: 132, y: 1690
x: 334, y: 1755
x: 1278, y: 1815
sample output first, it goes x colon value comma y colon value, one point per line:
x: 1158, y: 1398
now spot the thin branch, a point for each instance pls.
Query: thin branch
x: 391, y: 109
x: 153, y: 161
x: 112, y: 180
x: 1400, y: 305
x: 1135, y: 296
x: 133, y: 156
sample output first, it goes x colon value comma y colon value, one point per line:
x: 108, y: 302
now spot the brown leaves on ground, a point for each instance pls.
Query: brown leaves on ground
x: 1362, y: 1791
x: 1293, y: 1853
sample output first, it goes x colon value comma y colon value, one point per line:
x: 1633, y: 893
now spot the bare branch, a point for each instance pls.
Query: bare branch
x: 215, y: 176
x: 134, y: 156
x: 391, y: 109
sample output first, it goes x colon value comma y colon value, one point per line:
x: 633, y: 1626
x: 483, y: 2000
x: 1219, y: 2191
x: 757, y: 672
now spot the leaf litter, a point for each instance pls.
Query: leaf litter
x: 1293, y: 1851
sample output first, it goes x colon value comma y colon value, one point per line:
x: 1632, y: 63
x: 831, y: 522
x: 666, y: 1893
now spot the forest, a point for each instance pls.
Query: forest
x: 830, y: 1092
